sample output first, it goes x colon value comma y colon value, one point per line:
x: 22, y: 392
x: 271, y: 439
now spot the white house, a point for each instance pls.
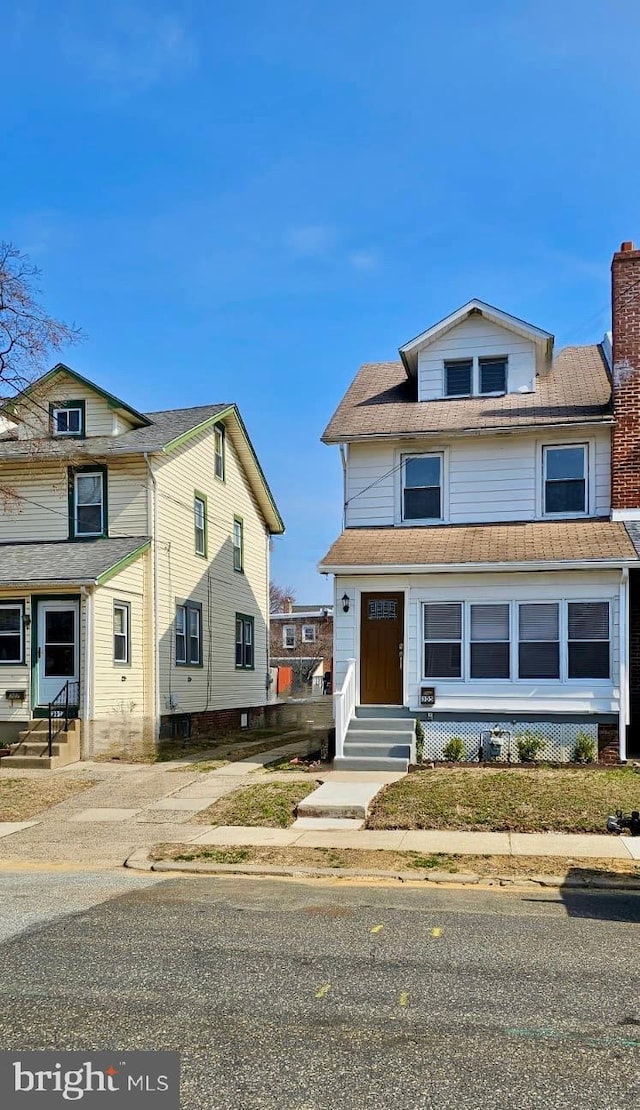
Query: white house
x: 485, y: 571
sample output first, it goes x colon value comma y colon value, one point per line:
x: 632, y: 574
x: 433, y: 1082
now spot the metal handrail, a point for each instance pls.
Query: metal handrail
x: 60, y: 710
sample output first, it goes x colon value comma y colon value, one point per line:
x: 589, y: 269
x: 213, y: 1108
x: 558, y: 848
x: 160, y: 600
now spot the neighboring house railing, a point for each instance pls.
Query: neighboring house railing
x: 62, y: 709
x: 344, y: 705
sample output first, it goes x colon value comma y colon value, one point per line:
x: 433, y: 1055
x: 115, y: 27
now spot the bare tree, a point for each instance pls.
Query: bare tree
x: 278, y: 596
x: 28, y: 334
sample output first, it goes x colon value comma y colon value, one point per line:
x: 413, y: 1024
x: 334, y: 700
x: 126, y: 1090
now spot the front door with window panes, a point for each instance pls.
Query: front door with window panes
x: 57, y: 647
x: 381, y: 648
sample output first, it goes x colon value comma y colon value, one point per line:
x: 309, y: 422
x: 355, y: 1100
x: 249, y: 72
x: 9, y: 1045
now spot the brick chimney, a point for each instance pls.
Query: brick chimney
x: 625, y: 445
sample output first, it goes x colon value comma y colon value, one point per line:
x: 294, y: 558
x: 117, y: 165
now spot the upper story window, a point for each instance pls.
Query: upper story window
x: 218, y: 437
x: 238, y: 544
x: 458, y: 378
x: 200, y: 523
x: 471, y: 377
x: 88, y: 508
x: 308, y: 633
x: 565, y: 479
x: 422, y: 487
x: 493, y: 375
x: 68, y: 418
x: 289, y: 636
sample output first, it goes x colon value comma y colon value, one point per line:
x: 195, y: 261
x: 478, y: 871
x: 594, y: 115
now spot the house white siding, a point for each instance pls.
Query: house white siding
x: 485, y: 478
x: 504, y: 696
x: 479, y: 337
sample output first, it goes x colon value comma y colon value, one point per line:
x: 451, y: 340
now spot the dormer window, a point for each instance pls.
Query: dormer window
x: 458, y: 378
x: 68, y: 418
x: 493, y: 375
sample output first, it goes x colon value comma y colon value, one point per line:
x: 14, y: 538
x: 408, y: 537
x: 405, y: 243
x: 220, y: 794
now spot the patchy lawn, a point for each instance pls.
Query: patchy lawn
x: 271, y: 804
x: 234, y: 751
x: 540, y: 800
x: 379, y: 860
x: 23, y: 798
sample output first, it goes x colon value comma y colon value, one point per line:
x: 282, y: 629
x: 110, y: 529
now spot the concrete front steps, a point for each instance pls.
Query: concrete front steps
x: 379, y: 738
x: 32, y: 750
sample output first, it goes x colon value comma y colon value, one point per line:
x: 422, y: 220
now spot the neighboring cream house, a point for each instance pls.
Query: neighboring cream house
x: 134, y: 567
x: 485, y: 576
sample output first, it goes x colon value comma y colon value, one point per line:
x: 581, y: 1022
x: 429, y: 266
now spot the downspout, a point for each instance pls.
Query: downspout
x: 623, y: 629
x: 343, y: 459
x: 152, y: 518
x: 87, y: 592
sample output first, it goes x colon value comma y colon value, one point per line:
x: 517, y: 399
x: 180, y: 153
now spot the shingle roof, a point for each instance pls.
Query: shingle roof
x: 165, y: 426
x: 633, y: 528
x: 445, y: 545
x: 382, y: 401
x: 30, y: 564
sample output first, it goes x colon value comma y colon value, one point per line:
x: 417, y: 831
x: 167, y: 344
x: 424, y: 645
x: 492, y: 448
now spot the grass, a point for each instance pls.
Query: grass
x: 379, y: 860
x: 241, y: 743
x: 270, y: 804
x: 23, y: 798
x: 572, y: 800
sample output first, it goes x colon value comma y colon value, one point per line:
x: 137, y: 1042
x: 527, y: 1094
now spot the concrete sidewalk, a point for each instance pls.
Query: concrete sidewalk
x: 562, y: 845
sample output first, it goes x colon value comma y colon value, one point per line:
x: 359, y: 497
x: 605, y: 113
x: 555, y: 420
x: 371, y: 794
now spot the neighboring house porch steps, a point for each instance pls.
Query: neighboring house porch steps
x: 32, y: 749
x: 379, y: 738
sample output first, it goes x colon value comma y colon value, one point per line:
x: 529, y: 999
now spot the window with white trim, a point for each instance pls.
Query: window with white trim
x: 588, y: 639
x: 88, y: 503
x: 308, y: 633
x: 188, y: 630
x: 443, y: 640
x: 238, y: 544
x: 422, y: 487
x: 564, y: 479
x: 289, y: 635
x: 489, y: 641
x: 200, y: 524
x: 458, y: 377
x: 121, y: 631
x: 68, y: 421
x: 218, y: 447
x: 11, y: 634
x: 539, y: 640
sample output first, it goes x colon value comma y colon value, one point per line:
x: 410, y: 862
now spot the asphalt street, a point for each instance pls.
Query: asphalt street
x: 314, y: 996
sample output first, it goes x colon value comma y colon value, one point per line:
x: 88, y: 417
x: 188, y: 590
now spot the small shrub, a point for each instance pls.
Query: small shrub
x: 454, y: 750
x: 419, y: 741
x: 529, y: 745
x: 584, y: 750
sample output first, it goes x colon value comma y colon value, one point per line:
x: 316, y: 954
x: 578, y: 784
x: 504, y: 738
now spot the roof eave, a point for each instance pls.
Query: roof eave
x: 445, y: 433
x: 457, y: 568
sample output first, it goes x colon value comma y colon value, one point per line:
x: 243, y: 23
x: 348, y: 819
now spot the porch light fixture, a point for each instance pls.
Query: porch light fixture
x: 345, y: 603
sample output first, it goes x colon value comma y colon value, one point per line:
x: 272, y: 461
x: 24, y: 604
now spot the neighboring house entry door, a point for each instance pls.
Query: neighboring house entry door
x: 381, y: 648
x: 58, y: 647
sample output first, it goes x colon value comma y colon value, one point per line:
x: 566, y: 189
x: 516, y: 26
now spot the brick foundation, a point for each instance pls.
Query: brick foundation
x: 608, y: 746
x: 220, y: 722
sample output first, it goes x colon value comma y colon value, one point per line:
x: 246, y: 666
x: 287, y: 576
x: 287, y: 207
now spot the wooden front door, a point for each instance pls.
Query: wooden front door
x: 381, y: 648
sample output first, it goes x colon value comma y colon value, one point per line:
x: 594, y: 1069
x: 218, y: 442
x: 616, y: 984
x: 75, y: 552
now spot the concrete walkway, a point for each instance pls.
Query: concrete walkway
x: 125, y: 807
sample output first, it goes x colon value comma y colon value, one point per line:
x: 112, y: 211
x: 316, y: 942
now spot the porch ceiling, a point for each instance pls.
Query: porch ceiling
x: 63, y: 563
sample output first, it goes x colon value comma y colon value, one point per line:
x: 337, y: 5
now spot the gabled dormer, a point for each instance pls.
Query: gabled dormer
x: 477, y: 351
x: 66, y: 406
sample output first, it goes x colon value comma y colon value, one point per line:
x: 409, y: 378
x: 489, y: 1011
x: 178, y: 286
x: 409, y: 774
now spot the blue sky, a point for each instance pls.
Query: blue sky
x: 243, y: 201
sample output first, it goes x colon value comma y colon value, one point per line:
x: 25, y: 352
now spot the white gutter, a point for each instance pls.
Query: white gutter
x: 458, y: 568
x: 152, y: 517
x: 623, y: 714
x: 87, y: 593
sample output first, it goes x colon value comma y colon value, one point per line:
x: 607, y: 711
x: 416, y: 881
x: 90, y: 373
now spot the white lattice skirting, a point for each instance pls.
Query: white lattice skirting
x: 560, y: 737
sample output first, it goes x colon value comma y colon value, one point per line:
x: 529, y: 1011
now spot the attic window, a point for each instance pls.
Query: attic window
x: 67, y: 418
x: 493, y: 375
x: 458, y: 378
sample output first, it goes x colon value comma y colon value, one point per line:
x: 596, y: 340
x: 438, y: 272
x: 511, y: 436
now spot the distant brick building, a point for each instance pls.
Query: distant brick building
x: 301, y: 639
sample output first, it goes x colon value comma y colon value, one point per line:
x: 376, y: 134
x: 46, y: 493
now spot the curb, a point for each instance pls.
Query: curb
x: 139, y: 861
